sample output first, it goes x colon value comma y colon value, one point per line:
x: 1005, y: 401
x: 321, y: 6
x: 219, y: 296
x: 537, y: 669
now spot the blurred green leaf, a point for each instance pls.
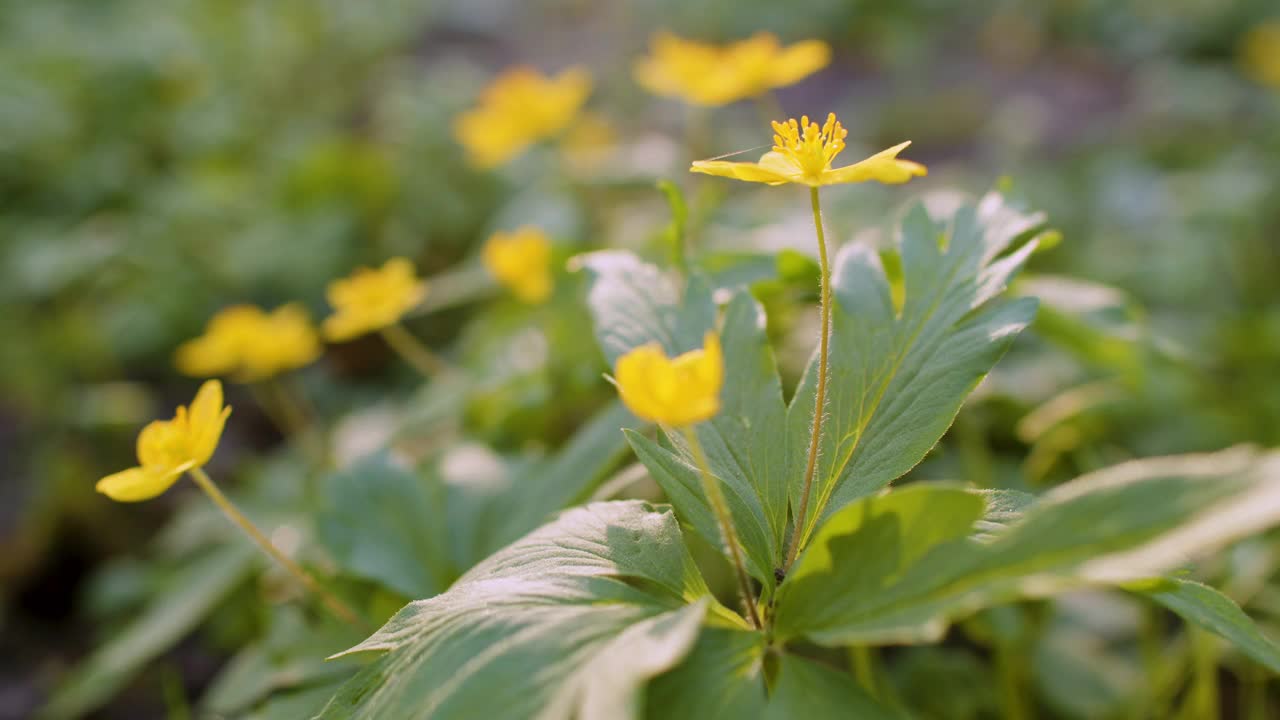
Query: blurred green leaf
x: 198, y: 588
x: 806, y: 689
x: 1215, y: 612
x: 385, y: 523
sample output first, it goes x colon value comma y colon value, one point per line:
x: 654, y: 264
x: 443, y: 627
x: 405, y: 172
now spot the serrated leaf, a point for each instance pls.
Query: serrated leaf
x: 901, y: 367
x: 1118, y: 525
x: 197, y: 589
x: 520, y: 634
x: 1216, y: 613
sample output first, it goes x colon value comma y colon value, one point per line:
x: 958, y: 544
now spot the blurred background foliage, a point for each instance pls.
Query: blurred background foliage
x: 160, y: 161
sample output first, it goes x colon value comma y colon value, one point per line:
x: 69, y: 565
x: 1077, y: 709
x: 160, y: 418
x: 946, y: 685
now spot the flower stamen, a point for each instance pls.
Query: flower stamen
x: 809, y: 147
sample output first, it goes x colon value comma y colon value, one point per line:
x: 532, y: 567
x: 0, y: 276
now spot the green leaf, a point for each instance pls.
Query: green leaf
x: 900, y: 369
x: 634, y: 303
x: 288, y: 660
x: 567, y: 477
x: 723, y: 677
x: 539, y: 628
x: 745, y: 450
x: 1119, y: 525
x: 861, y: 553
x: 806, y: 689
x: 1216, y: 613
x: 386, y: 523
x: 674, y: 233
x: 194, y: 592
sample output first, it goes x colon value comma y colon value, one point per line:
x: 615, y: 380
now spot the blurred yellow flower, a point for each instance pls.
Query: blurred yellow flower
x: 220, y: 350
x: 712, y: 75
x: 285, y: 340
x: 372, y: 299
x: 250, y: 344
x: 168, y: 448
x: 680, y: 391
x: 519, y: 108
x: 1260, y: 53
x: 521, y: 260
x: 806, y: 159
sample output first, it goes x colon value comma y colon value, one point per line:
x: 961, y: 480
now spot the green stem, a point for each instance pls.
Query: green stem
x: 298, y: 421
x: 721, y: 509
x: 412, y: 351
x: 798, y: 532
x: 336, y: 606
x: 1011, y: 695
x: 864, y: 670
x: 1204, y: 689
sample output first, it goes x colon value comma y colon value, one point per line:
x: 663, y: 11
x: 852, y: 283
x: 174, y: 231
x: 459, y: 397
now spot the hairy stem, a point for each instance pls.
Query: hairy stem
x: 820, y: 399
x: 412, y: 351
x: 721, y: 509
x: 336, y: 606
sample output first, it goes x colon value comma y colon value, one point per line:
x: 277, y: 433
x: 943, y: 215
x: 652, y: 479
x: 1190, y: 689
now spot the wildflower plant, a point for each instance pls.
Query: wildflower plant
x: 535, y: 583
x: 603, y: 612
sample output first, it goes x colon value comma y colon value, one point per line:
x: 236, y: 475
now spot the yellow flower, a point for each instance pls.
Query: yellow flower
x: 168, y: 448
x: 679, y: 391
x: 371, y: 299
x: 713, y: 75
x: 806, y: 159
x: 521, y: 260
x: 250, y: 344
x: 1260, y: 53
x: 283, y: 340
x: 519, y: 108
x: 220, y: 350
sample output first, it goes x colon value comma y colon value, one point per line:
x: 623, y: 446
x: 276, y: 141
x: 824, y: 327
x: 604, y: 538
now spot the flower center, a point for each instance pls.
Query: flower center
x: 812, y: 151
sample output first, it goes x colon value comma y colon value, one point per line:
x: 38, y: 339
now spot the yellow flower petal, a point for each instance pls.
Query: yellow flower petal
x: 206, y: 421
x: 283, y: 340
x: 714, y: 75
x: 802, y: 153
x: 882, y: 167
x: 370, y: 299
x: 750, y: 172
x: 521, y: 260
x: 680, y: 391
x: 136, y: 484
x: 519, y: 108
x: 799, y: 61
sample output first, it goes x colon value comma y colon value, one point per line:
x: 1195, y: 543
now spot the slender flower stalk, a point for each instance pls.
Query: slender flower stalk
x: 168, y: 449
x: 679, y: 393
x: 412, y: 351
x: 719, y: 506
x: 798, y: 534
x: 802, y: 154
x: 331, y: 601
